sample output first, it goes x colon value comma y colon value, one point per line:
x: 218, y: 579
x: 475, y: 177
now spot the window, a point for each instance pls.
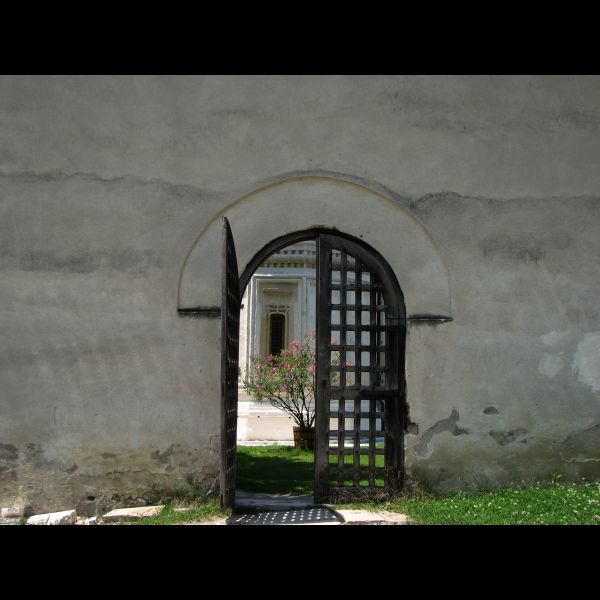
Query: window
x: 276, y: 333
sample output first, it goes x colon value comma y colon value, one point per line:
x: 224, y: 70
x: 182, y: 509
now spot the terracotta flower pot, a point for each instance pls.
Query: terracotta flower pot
x: 304, y: 437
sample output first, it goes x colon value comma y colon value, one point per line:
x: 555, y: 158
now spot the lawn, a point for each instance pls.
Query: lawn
x: 283, y: 469
x: 275, y: 469
x: 540, y: 504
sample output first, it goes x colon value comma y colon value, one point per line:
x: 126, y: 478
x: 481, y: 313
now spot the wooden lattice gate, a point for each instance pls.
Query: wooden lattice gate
x: 360, y: 380
x: 360, y: 373
x: 230, y: 325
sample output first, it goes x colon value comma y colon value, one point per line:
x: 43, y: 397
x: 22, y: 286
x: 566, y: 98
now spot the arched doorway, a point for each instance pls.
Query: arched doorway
x: 360, y: 378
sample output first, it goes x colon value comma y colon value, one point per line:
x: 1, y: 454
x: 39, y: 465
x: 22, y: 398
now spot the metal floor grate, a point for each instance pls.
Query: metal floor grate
x: 303, y: 516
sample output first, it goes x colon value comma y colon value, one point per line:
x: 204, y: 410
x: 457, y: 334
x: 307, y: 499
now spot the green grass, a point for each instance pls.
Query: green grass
x: 198, y: 511
x: 542, y: 504
x: 275, y: 469
x: 283, y: 469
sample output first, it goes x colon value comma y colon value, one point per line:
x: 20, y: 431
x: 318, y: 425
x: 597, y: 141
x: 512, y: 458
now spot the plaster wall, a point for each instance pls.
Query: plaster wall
x: 108, y: 183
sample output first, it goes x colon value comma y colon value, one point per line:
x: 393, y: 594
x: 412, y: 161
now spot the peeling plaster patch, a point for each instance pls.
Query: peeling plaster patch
x: 423, y: 448
x: 508, y: 437
x: 164, y: 457
x: 491, y: 410
x: 586, y: 360
x: 412, y: 429
x: 215, y: 443
x: 582, y: 446
x: 8, y: 452
x: 553, y: 337
x: 550, y: 365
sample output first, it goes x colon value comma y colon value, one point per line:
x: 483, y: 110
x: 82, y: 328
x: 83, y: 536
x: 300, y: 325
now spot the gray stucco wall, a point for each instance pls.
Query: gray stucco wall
x: 107, y: 182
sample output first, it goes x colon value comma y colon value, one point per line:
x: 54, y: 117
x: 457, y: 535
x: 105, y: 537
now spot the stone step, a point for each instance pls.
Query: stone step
x: 255, y: 508
x: 318, y: 515
x: 132, y: 514
x: 260, y: 502
x: 365, y: 517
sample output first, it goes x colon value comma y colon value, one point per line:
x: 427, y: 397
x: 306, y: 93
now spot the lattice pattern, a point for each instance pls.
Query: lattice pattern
x: 357, y: 370
x: 360, y: 393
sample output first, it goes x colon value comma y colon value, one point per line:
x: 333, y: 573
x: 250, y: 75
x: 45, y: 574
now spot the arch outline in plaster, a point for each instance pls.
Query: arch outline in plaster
x: 310, y: 202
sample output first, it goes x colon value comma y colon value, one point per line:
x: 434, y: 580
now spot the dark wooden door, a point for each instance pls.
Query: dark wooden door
x: 230, y: 319
x: 360, y: 373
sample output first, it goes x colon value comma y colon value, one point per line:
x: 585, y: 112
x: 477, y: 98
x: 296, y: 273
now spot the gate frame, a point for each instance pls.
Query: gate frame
x: 382, y: 268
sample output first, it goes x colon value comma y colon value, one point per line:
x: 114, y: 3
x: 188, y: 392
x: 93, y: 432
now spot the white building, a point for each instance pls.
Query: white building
x: 278, y: 306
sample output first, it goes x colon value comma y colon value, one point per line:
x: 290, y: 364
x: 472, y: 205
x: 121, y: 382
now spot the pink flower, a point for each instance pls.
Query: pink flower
x: 270, y: 358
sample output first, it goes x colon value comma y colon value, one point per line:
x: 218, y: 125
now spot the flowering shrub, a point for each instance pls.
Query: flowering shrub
x: 286, y: 380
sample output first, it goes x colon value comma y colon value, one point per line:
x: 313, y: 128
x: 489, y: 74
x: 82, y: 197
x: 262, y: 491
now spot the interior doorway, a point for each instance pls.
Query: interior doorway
x: 276, y: 376
x: 359, y: 392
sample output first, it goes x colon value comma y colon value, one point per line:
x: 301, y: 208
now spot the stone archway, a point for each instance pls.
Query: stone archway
x: 359, y: 386
x: 325, y: 204
x: 314, y: 201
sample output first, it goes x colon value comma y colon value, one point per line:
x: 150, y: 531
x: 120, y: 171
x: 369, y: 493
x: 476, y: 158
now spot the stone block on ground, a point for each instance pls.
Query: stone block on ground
x: 65, y: 517
x: 12, y: 512
x: 9, y: 521
x: 132, y: 514
x: 365, y: 517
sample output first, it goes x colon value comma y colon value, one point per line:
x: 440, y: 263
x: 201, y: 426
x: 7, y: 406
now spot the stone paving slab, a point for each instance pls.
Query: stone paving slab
x: 65, y: 517
x: 132, y: 514
x: 12, y: 512
x: 8, y: 521
x: 364, y: 517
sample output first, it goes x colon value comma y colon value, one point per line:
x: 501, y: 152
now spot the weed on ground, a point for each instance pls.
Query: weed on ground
x: 176, y: 513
